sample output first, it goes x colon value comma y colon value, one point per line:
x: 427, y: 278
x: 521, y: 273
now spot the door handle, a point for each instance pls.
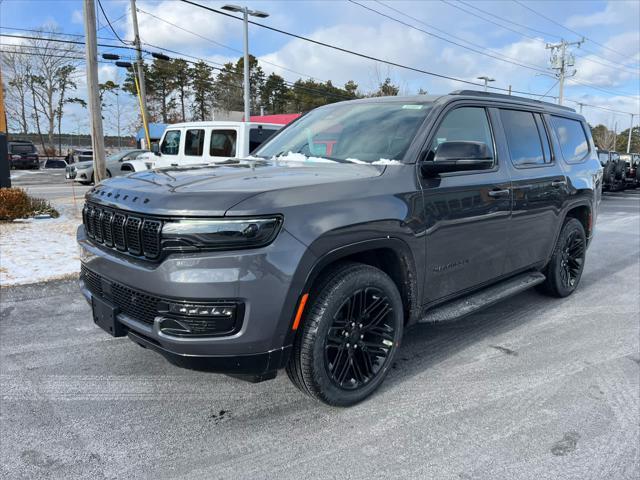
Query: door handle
x: 499, y: 193
x: 558, y: 183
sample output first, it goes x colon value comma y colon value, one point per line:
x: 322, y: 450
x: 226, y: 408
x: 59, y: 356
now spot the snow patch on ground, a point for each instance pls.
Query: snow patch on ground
x: 38, y: 250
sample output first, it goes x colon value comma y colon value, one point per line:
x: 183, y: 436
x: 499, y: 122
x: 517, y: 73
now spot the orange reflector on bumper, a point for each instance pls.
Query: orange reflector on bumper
x: 303, y: 302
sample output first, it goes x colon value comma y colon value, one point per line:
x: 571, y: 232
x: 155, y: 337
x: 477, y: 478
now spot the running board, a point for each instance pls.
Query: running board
x: 473, y: 302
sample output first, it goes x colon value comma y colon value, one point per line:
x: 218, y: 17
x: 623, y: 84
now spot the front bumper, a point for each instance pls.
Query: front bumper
x: 259, y: 278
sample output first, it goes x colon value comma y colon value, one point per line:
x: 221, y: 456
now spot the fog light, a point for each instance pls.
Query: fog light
x: 191, y: 310
x: 199, y: 319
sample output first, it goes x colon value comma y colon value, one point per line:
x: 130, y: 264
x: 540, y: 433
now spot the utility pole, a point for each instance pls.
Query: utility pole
x: 136, y: 42
x: 97, y: 134
x: 629, y: 139
x: 560, y: 60
x: 581, y: 104
x: 5, y: 169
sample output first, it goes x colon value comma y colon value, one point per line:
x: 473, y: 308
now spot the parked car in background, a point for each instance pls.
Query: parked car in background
x: 116, y: 165
x: 632, y: 176
x: 615, y: 170
x: 79, y: 155
x: 205, y: 142
x: 427, y: 209
x: 23, y: 154
x: 55, y: 163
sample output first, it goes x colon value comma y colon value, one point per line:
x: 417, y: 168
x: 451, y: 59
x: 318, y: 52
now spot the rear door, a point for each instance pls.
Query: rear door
x: 467, y: 213
x: 539, y: 186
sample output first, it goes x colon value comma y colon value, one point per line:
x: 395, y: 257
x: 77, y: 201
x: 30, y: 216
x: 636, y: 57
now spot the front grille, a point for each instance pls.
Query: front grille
x: 115, y: 228
x: 144, y: 307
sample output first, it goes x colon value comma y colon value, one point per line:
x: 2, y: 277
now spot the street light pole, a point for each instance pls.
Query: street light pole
x: 629, y: 139
x: 245, y: 16
x: 486, y: 81
x: 247, y: 100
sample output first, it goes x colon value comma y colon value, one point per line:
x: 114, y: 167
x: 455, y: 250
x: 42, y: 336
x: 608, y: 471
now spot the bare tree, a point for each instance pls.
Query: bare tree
x: 40, y: 71
x: 14, y: 66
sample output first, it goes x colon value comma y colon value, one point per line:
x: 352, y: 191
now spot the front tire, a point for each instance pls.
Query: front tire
x: 349, y: 337
x: 567, y: 262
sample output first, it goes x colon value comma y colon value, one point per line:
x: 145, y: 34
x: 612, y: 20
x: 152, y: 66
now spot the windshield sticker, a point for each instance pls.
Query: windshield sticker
x: 412, y: 107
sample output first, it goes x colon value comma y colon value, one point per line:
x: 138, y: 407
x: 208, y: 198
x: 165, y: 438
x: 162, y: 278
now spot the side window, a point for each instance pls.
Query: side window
x: 258, y: 136
x: 464, y: 124
x: 223, y: 143
x: 523, y: 137
x: 572, y: 137
x: 170, y: 143
x: 194, y: 143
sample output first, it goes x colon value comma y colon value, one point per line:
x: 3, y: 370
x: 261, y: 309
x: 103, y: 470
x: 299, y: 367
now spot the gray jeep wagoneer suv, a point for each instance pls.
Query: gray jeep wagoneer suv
x: 352, y: 223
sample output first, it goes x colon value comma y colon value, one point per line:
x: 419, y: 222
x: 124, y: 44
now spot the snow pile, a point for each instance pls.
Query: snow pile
x: 299, y: 157
x: 38, y: 250
x: 386, y: 161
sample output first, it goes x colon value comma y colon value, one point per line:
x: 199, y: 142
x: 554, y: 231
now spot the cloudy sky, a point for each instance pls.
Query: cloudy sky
x: 464, y: 39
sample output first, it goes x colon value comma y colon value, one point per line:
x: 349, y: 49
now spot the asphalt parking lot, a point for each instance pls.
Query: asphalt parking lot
x: 532, y: 388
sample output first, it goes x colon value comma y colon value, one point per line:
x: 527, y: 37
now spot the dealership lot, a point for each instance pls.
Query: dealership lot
x: 530, y: 388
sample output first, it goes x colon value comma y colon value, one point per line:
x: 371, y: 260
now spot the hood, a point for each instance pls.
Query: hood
x: 214, y: 188
x: 84, y: 164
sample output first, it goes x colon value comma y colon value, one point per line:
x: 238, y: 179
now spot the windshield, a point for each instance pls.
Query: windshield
x: 351, y: 133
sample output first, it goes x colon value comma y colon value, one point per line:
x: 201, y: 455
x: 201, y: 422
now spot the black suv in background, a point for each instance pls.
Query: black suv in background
x: 352, y: 223
x: 23, y: 154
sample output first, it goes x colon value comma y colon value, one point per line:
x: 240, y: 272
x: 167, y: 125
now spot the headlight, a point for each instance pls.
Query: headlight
x: 220, y: 234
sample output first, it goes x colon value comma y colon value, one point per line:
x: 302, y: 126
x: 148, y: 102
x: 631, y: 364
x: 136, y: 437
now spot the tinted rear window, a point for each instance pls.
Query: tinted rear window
x: 194, y: 142
x: 222, y: 143
x: 23, y: 148
x: 523, y: 137
x: 257, y: 136
x: 572, y: 137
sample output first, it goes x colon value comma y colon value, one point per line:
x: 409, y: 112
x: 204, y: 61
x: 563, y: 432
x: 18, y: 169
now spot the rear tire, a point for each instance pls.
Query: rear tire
x: 349, y: 336
x: 565, y: 268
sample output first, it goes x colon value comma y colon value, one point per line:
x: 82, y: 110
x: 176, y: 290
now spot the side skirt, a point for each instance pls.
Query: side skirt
x: 480, y: 299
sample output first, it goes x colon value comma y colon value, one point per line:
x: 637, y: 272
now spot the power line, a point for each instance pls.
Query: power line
x: 609, y: 63
x: 224, y: 46
x: 32, y: 30
x: 568, y: 29
x: 111, y: 26
x: 500, y: 58
x: 58, y: 40
x: 547, y: 92
x: 351, y: 52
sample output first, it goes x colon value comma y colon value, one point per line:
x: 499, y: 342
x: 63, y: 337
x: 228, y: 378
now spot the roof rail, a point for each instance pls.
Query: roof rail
x: 477, y: 93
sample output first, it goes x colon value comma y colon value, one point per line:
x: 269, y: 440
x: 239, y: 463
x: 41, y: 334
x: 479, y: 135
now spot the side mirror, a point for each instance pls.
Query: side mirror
x: 155, y: 148
x: 458, y: 157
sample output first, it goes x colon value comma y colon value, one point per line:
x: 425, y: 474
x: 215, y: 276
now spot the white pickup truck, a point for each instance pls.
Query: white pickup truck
x: 204, y: 142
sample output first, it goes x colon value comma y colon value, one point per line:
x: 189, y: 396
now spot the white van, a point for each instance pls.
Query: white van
x: 204, y: 142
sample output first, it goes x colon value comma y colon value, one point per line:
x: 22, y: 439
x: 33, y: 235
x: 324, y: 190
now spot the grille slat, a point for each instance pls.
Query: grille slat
x: 132, y: 228
x: 137, y: 235
x: 118, y: 231
x: 151, y: 238
x: 107, y: 232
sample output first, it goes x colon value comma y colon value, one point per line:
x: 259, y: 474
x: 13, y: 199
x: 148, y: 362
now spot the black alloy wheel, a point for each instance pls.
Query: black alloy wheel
x: 565, y: 268
x: 349, y: 335
x: 359, y: 341
x: 572, y: 261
